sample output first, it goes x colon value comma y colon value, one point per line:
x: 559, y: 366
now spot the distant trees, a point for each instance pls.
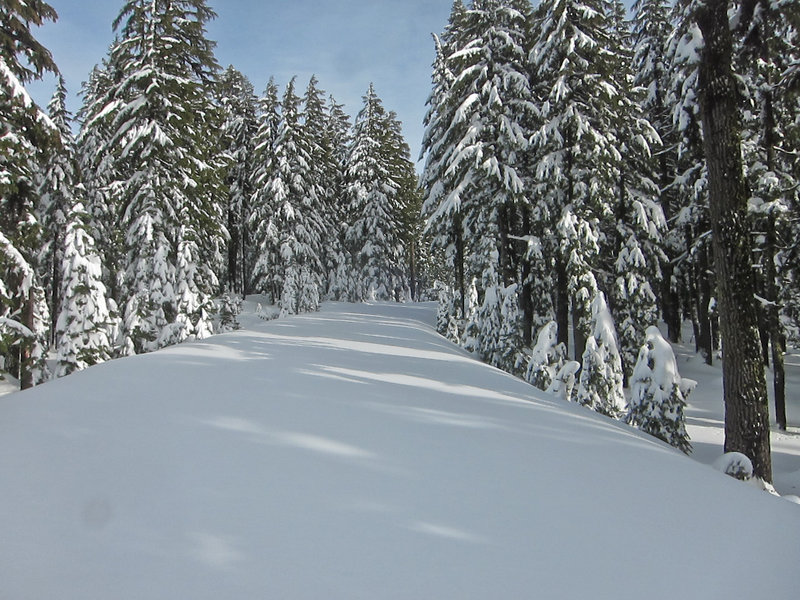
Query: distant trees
x: 180, y: 186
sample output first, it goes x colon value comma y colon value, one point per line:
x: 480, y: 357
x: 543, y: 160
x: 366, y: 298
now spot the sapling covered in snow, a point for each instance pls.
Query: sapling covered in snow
x: 547, y: 357
x: 600, y: 386
x: 563, y: 383
x: 658, y: 393
x: 230, y: 306
x: 84, y: 325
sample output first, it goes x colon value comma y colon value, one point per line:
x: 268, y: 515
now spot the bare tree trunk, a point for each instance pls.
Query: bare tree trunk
x: 705, y: 341
x: 745, y: 389
x: 459, y: 266
x: 776, y: 337
x: 562, y: 303
x: 525, y: 299
x: 26, y: 374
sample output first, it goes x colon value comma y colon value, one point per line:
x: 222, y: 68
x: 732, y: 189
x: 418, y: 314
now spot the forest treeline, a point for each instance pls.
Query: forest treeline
x: 182, y: 186
x: 567, y: 177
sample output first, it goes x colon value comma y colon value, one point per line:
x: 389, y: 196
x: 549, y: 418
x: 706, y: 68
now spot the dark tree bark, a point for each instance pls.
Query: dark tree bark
x: 525, y: 299
x: 745, y: 389
x: 562, y: 303
x: 26, y: 374
x: 459, y: 266
x: 705, y: 341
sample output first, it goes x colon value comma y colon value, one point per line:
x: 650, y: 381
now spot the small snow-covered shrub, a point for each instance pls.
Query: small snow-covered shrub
x: 736, y: 465
x: 547, y: 357
x: 658, y: 393
x: 564, y: 383
x: 600, y: 384
x: 230, y: 307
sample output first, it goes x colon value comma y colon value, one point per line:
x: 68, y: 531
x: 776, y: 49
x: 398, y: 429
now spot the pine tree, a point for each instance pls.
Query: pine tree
x: 57, y: 183
x: 295, y: 231
x: 577, y: 63
x: 26, y: 135
x: 651, y: 71
x: 746, y: 409
x: 475, y: 139
x: 766, y: 53
x: 375, y: 234
x: 239, y: 107
x: 441, y: 204
x: 264, y: 254
x: 546, y: 359
x: 690, y: 239
x: 658, y: 393
x: 338, y: 138
x: 84, y: 322
x: 600, y: 385
x: 160, y: 149
x: 97, y: 171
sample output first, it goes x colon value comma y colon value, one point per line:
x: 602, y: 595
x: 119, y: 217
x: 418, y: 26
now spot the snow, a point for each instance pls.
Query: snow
x: 354, y: 453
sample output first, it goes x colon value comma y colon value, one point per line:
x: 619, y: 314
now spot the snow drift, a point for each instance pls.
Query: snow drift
x: 354, y: 453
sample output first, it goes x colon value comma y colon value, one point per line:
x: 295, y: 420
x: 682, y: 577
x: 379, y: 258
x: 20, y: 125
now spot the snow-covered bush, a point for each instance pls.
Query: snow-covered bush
x: 736, y: 465
x: 600, y: 384
x: 563, y: 384
x: 658, y: 393
x: 230, y: 307
x: 547, y: 357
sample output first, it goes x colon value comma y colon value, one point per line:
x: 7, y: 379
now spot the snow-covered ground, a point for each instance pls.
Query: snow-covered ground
x: 354, y: 454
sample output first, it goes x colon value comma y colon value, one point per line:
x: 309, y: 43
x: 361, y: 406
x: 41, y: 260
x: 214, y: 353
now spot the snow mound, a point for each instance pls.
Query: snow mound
x: 354, y: 453
x: 736, y: 465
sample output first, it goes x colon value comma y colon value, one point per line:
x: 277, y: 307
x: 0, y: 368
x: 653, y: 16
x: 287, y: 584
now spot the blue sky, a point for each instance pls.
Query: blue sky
x: 346, y: 43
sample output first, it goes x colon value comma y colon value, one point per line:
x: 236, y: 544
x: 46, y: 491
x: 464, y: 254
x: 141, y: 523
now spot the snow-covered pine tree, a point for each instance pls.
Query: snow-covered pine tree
x: 546, y: 359
x: 57, y: 181
x: 95, y: 160
x: 84, y: 323
x: 600, y: 384
x: 766, y: 53
x: 651, y: 71
x: 296, y: 229
x: 634, y: 234
x: 575, y: 60
x: 338, y: 137
x: 238, y: 104
x: 689, y: 238
x: 161, y: 146
x: 27, y: 134
x: 658, y: 393
x: 321, y: 126
x: 475, y: 139
x: 443, y: 220
x: 374, y: 204
x: 263, y: 256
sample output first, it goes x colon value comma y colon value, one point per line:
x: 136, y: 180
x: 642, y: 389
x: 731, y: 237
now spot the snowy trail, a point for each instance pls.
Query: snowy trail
x: 354, y: 453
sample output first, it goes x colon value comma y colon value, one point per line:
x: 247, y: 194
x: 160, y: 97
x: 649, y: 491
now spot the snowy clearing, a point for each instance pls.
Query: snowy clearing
x: 354, y: 453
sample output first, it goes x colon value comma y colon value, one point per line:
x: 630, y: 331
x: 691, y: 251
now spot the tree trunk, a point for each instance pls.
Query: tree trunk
x: 744, y: 384
x: 562, y: 303
x: 459, y: 266
x: 578, y: 337
x: 525, y: 298
x: 776, y: 337
x: 706, y: 340
x: 670, y: 300
x: 26, y: 374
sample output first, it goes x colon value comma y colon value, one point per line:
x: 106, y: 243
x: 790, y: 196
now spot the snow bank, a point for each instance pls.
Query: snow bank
x: 354, y: 453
